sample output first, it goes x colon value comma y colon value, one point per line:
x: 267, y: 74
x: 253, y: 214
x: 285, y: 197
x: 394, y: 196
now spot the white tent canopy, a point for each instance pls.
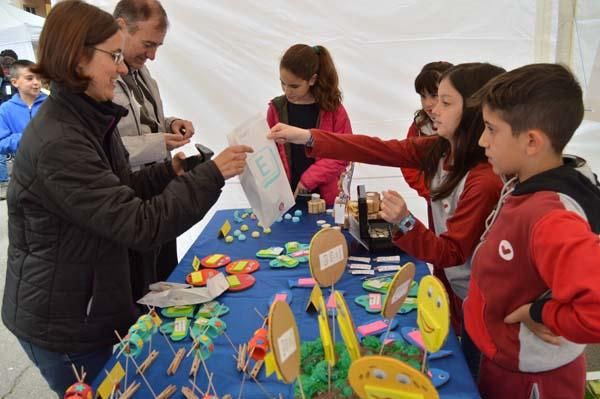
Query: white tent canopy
x: 219, y: 62
x: 19, y: 30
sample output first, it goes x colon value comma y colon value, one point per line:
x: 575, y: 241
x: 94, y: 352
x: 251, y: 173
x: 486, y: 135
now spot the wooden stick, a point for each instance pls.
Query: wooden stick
x: 188, y: 393
x: 129, y: 392
x: 424, y: 360
x: 147, y: 362
x: 194, y: 386
x: 195, y: 365
x: 167, y: 392
x: 137, y: 368
x: 241, y: 358
x: 256, y: 369
x: 176, y: 362
x: 75, y: 372
x: 301, y: 387
x: 387, y: 331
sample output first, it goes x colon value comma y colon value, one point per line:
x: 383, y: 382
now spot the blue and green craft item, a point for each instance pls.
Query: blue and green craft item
x: 298, y: 251
x: 282, y: 295
x: 382, y: 285
x: 212, y: 327
x: 131, y: 345
x: 204, y: 347
x: 412, y: 335
x: 144, y: 327
x: 284, y: 261
x: 178, y: 311
x: 375, y: 327
x: 177, y: 329
x: 212, y: 309
x: 373, y: 303
x: 270, y: 253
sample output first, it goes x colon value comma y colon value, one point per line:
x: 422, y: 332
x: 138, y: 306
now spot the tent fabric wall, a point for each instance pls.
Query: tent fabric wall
x: 219, y: 62
x: 19, y: 30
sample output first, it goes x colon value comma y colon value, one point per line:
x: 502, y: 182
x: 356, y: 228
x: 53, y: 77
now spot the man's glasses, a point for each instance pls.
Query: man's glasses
x: 116, y: 56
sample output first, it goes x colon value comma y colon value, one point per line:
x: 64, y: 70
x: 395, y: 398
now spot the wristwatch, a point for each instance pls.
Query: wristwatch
x: 311, y: 140
x: 407, y: 223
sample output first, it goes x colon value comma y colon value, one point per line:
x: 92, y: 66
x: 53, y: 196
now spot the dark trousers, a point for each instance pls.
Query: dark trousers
x: 166, y: 260
x: 56, y: 367
x: 471, y: 353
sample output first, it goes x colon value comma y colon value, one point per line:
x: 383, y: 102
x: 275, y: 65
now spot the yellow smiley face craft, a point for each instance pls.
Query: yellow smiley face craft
x: 347, y: 330
x: 433, y: 313
x: 376, y: 377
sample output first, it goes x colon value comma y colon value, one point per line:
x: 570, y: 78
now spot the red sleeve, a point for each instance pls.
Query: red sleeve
x: 413, y: 177
x: 367, y: 149
x: 325, y: 170
x: 480, y: 195
x: 567, y: 255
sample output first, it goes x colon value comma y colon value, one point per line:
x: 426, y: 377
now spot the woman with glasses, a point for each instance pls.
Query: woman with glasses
x: 75, y: 208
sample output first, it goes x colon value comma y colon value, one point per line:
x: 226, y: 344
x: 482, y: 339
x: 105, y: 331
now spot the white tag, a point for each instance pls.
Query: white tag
x: 360, y: 266
x: 388, y: 268
x: 377, y: 283
x: 370, y: 272
x: 331, y: 257
x: 400, y: 291
x: 339, y: 212
x: 286, y: 344
x: 359, y: 259
x: 374, y: 300
x: 388, y: 259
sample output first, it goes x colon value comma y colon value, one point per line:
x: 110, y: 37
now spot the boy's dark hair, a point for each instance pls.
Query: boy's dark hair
x: 71, y: 31
x: 16, y: 67
x: 304, y: 61
x: 538, y: 96
x: 427, y: 82
x: 9, y: 53
x: 134, y: 11
x: 467, y: 79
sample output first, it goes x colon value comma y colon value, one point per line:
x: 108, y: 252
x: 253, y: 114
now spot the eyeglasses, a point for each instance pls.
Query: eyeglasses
x: 116, y: 56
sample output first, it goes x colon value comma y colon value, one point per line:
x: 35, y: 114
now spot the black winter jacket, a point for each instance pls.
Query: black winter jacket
x: 74, y: 209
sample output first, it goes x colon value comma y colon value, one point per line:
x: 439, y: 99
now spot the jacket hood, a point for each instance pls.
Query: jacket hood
x: 575, y: 179
x: 17, y: 100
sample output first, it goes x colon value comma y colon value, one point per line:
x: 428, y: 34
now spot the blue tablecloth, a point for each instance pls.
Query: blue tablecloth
x: 242, y: 320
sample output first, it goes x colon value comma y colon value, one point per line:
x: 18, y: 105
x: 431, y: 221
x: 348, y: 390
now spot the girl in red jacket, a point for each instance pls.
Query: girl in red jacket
x: 312, y: 99
x: 463, y: 187
x: 426, y: 86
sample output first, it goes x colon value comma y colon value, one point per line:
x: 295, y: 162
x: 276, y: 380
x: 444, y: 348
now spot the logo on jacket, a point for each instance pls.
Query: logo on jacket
x: 505, y: 250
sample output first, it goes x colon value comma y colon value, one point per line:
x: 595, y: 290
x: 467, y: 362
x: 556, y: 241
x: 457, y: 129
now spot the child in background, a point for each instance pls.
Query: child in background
x: 426, y: 86
x: 16, y: 113
x: 462, y: 185
x: 312, y: 99
x: 534, y: 293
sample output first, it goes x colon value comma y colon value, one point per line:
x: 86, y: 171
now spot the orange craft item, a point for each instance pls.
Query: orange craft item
x: 215, y: 260
x: 200, y: 277
x: 258, y: 346
x: 242, y: 266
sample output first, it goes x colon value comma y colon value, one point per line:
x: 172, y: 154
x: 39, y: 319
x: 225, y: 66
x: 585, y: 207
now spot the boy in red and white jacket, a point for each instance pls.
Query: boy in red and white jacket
x: 534, y: 294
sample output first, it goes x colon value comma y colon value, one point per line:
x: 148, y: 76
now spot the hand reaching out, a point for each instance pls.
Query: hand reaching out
x: 232, y: 160
x: 283, y: 133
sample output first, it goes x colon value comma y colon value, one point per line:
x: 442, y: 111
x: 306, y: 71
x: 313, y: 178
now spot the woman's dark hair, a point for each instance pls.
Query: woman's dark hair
x: 467, y: 79
x: 69, y: 35
x: 304, y: 61
x: 427, y: 82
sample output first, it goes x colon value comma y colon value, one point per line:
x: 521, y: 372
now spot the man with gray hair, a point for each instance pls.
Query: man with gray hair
x: 147, y: 134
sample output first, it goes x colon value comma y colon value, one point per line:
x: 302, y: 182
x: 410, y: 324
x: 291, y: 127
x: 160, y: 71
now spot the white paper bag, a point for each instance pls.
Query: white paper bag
x: 264, y: 180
